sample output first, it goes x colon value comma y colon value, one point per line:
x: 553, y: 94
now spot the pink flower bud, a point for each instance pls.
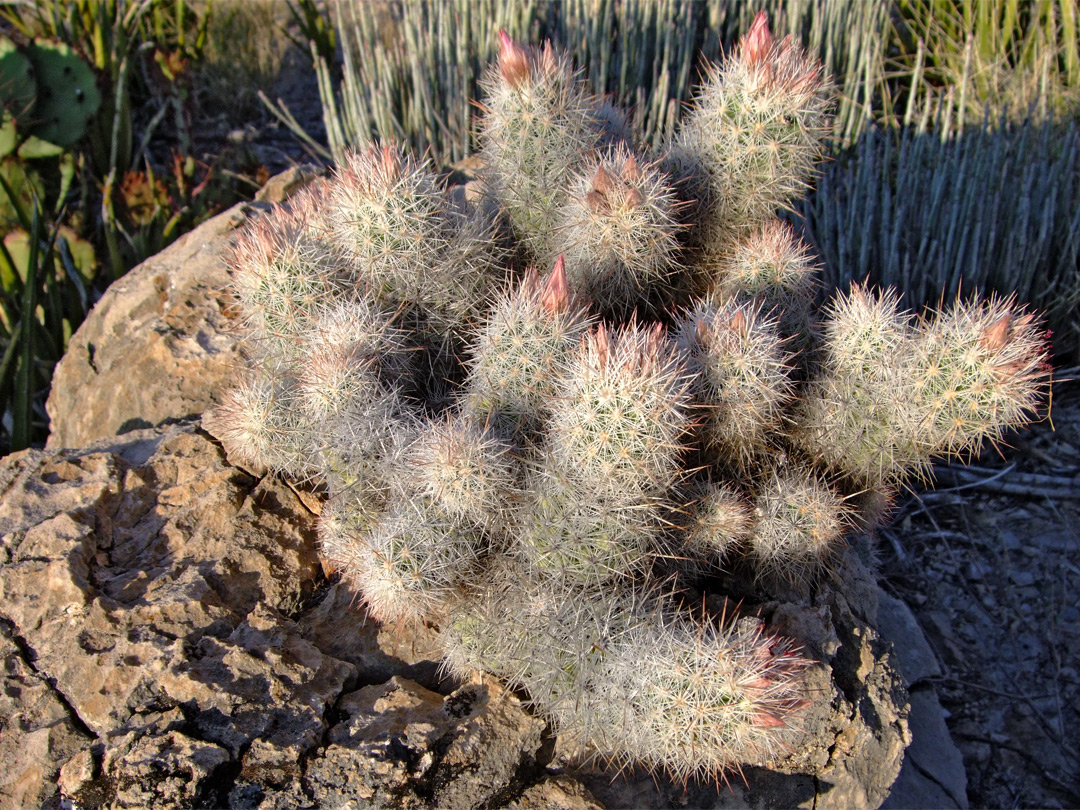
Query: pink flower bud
x: 996, y: 335
x: 555, y: 294
x: 764, y: 719
x: 596, y: 202
x: 603, y: 182
x: 701, y: 332
x: 738, y: 323
x: 758, y: 40
x: 513, y: 60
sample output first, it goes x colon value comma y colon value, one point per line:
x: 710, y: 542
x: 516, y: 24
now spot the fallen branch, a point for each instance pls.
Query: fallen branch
x: 1008, y: 482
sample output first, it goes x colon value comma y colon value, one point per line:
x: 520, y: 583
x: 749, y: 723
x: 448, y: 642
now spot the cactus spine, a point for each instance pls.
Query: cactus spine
x: 520, y: 457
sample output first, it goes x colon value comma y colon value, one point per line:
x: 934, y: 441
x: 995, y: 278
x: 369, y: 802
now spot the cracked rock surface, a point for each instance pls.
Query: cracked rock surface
x: 170, y: 641
x: 154, y: 602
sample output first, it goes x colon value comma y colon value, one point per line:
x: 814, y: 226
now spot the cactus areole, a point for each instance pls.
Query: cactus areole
x: 544, y: 412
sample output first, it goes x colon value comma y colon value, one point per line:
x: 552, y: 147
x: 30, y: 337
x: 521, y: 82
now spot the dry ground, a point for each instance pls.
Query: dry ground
x: 989, y: 562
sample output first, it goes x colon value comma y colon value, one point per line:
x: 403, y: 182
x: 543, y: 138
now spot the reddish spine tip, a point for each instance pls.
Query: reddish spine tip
x: 654, y: 343
x: 602, y: 345
x: 389, y: 162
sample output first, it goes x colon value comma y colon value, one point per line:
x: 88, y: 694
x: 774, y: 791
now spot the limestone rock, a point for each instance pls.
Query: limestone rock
x: 160, y: 341
x: 150, y: 584
x: 165, y: 770
x: 37, y: 734
x: 337, y: 625
x: 404, y: 745
x: 556, y: 793
x: 169, y: 641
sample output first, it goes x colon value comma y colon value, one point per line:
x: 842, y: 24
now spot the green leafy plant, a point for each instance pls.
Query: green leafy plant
x: 539, y: 463
x: 45, y: 277
x: 94, y: 93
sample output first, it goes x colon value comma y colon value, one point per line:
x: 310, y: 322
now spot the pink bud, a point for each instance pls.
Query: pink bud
x: 634, y: 198
x: 758, y: 684
x: 996, y: 335
x: 602, y: 181
x: 764, y: 719
x: 758, y: 40
x: 596, y: 202
x: 701, y: 332
x: 555, y: 294
x: 513, y: 60
x: 738, y: 323
x: 631, y: 172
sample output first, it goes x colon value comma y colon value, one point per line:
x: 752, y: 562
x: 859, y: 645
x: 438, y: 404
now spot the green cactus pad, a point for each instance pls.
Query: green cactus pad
x: 18, y: 92
x: 67, y: 94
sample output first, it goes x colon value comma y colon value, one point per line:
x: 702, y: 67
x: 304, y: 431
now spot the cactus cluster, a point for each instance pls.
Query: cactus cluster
x: 541, y: 463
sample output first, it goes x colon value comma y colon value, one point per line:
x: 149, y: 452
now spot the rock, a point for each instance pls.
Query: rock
x: 337, y: 626
x: 556, y: 793
x: 914, y: 655
x: 150, y: 583
x: 933, y: 775
x: 171, y: 314
x: 37, y: 733
x: 165, y: 770
x: 940, y: 630
x: 403, y: 744
x: 77, y: 773
x: 152, y: 659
